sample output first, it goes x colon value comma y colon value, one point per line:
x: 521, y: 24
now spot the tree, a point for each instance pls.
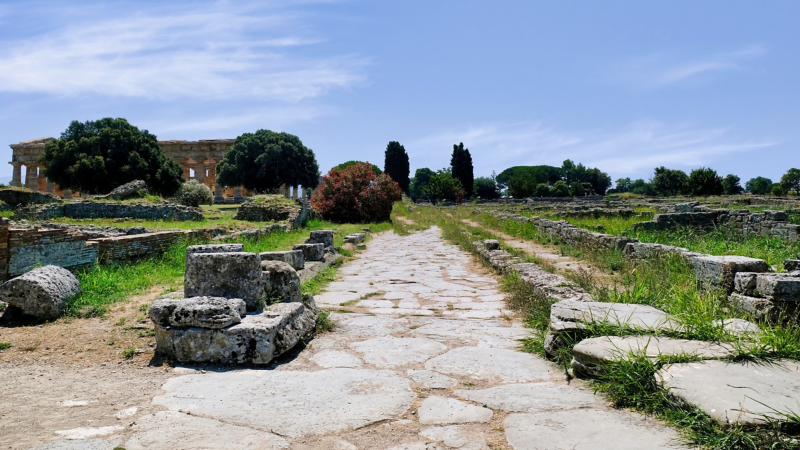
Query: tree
x: 705, y: 181
x: 265, y: 160
x: 421, y: 179
x: 669, y: 182
x: 541, y: 174
x: 395, y: 164
x: 778, y: 190
x: 461, y: 165
x: 560, y: 189
x: 623, y: 185
x: 791, y: 181
x: 542, y: 190
x: 487, y: 188
x: 97, y: 156
x: 351, y: 163
x: 356, y: 194
x: 568, y: 171
x: 443, y: 185
x: 641, y: 187
x: 758, y: 185
x: 730, y: 185
x: 521, y: 185
x: 576, y: 189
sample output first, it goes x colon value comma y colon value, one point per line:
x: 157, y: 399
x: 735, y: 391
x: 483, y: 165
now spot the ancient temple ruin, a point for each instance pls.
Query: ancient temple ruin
x: 198, y: 159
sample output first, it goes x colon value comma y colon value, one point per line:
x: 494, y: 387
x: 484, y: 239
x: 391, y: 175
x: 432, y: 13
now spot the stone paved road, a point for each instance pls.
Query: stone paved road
x: 430, y: 362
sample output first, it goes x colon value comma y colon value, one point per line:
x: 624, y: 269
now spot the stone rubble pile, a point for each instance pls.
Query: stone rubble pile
x: 240, y: 307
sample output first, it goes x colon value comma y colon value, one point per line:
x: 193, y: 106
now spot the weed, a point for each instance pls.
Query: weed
x: 144, y: 307
x: 146, y: 333
x: 120, y: 322
x: 324, y: 322
x: 129, y: 352
x: 5, y: 345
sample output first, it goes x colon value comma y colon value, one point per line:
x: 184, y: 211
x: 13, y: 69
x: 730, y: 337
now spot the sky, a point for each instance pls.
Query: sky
x: 624, y: 86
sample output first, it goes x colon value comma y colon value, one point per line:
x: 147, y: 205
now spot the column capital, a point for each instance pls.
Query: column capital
x: 16, y: 163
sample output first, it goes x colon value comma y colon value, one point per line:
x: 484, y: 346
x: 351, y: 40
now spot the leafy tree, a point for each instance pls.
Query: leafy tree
x: 572, y: 173
x: 542, y: 190
x: 356, y: 194
x: 576, y: 189
x: 97, y: 156
x: 461, y: 165
x: 443, y: 185
x: 265, y: 160
x: 377, y: 170
x: 758, y: 185
x: 521, y: 185
x: 669, y: 182
x: 542, y: 174
x: 486, y: 187
x: 705, y: 181
x: 623, y: 185
x: 395, y: 164
x: 730, y: 185
x: 560, y: 189
x: 791, y: 181
x: 778, y: 189
x: 421, y: 179
x: 568, y: 171
x: 641, y: 187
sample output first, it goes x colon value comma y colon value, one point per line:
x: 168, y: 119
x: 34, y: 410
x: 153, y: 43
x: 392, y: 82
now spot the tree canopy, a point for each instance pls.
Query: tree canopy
x: 670, y: 182
x: 541, y: 174
x: 421, y: 179
x: 352, y: 163
x: 731, y: 186
x: 443, y: 185
x: 461, y: 166
x: 522, y: 180
x: 758, y: 185
x: 265, y: 160
x: 97, y: 156
x: 791, y: 181
x: 705, y: 181
x: 396, y: 165
x: 486, y: 187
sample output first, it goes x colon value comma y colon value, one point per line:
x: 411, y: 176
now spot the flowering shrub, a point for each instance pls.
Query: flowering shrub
x: 355, y: 194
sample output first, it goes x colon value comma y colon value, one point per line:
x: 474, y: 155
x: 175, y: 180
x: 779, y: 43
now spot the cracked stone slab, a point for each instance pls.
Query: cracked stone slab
x: 431, y: 379
x: 735, y: 392
x: 485, y: 363
x: 389, y: 351
x: 81, y: 444
x: 456, y: 436
x: 167, y: 430
x: 587, y: 429
x: 487, y: 332
x: 589, y: 354
x: 437, y: 410
x: 622, y: 314
x: 335, y: 358
x: 89, y: 432
x: 298, y: 403
x: 532, y: 397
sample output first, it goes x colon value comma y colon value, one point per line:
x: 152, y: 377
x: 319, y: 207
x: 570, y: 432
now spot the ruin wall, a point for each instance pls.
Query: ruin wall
x: 110, y: 210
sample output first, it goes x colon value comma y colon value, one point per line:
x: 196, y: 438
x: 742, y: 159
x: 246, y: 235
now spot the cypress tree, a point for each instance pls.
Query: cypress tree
x: 396, y: 164
x: 461, y: 163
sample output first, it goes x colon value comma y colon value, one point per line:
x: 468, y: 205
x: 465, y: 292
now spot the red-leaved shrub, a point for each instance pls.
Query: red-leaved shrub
x: 355, y: 194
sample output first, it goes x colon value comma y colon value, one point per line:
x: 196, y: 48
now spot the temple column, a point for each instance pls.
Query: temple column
x: 211, y: 181
x: 186, y: 174
x: 200, y: 172
x: 41, y: 182
x: 31, y: 174
x: 295, y: 191
x: 16, y: 178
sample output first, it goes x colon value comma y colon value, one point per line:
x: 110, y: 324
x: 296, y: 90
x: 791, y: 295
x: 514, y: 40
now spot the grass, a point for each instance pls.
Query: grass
x: 5, y: 345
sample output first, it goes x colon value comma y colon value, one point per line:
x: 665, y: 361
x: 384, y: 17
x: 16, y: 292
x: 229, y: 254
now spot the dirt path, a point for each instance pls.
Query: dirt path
x: 430, y: 362
x: 550, y: 255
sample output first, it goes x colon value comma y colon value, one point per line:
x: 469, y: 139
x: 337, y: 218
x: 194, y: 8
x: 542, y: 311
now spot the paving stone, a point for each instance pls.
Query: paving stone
x: 589, y: 355
x: 167, y: 430
x: 431, y: 379
x: 738, y: 326
x: 390, y: 351
x: 736, y: 392
x: 334, y: 358
x: 89, y: 432
x: 486, y: 332
x: 587, y: 429
x: 81, y: 444
x: 532, y: 397
x: 489, y: 363
x: 298, y: 403
x: 630, y: 315
x: 456, y: 436
x: 442, y: 411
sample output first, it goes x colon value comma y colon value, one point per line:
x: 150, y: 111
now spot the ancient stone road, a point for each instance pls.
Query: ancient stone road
x: 428, y: 360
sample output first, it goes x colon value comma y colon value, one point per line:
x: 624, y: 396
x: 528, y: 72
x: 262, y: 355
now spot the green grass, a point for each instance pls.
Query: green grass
x: 5, y: 345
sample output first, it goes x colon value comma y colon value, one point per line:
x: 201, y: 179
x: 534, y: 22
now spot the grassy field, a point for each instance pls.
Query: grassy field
x: 106, y: 284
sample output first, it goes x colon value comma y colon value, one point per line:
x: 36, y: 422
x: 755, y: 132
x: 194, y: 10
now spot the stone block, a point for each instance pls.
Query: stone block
x: 590, y: 355
x: 229, y: 275
x: 779, y: 286
x: 745, y: 283
x: 41, y: 293
x: 732, y: 393
x: 294, y: 258
x: 355, y: 238
x: 200, y: 312
x: 791, y: 265
x: 643, y: 317
x: 324, y: 237
x: 311, y: 252
x: 127, y: 190
x: 714, y: 272
x: 778, y: 216
x: 281, y: 282
x: 213, y: 248
x: 491, y: 244
x: 774, y: 311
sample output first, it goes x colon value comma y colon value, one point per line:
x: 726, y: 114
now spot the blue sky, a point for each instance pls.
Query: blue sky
x: 624, y: 86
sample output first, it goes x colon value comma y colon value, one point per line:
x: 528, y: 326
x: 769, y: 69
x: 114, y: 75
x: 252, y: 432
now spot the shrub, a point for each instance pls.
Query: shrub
x: 193, y: 193
x: 355, y: 194
x: 560, y: 189
x: 487, y: 188
x: 97, y: 156
x: 443, y: 185
x: 377, y: 170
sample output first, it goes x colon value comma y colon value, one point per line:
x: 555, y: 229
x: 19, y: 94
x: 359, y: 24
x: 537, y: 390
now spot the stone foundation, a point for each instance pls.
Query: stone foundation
x: 110, y: 210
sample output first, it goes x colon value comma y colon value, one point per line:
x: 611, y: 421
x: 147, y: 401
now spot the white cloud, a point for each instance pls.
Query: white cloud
x: 662, y: 70
x: 203, y: 51
x: 633, y: 150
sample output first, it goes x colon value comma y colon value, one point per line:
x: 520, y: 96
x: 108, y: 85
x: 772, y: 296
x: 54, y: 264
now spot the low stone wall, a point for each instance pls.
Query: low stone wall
x: 766, y: 223
x: 33, y: 247
x: 120, y: 248
x: 111, y: 210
